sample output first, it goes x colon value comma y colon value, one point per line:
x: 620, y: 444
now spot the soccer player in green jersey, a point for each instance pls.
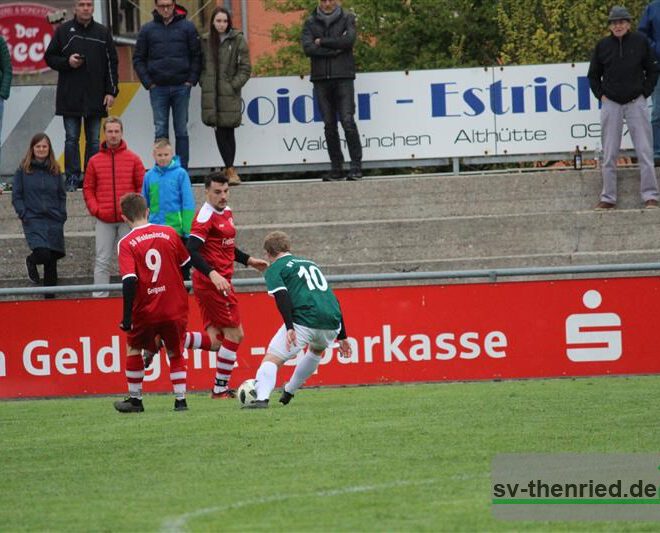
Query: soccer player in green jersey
x: 311, y: 314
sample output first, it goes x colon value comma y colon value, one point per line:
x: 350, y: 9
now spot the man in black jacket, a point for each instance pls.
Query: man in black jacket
x: 328, y: 38
x: 168, y: 61
x: 622, y: 75
x: 83, y: 53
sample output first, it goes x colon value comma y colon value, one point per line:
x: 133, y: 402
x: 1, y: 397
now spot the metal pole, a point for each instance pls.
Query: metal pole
x: 491, y: 274
x: 244, y: 18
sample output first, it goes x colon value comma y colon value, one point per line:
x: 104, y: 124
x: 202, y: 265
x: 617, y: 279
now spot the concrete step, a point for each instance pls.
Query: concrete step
x: 410, y: 242
x: 391, y: 199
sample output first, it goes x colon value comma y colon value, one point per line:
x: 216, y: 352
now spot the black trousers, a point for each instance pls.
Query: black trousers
x: 226, y: 141
x: 47, y: 258
x: 336, y: 99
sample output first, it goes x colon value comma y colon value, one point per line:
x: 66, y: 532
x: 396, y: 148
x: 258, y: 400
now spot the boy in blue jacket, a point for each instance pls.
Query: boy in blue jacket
x: 168, y: 192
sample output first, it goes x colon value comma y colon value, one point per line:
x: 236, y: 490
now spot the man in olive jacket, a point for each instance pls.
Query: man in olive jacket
x: 328, y: 38
x: 5, y: 76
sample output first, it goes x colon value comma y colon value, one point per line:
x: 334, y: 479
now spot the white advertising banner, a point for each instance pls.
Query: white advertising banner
x: 429, y: 114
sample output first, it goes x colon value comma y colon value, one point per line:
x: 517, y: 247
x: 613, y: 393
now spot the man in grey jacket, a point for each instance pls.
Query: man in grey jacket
x: 328, y: 38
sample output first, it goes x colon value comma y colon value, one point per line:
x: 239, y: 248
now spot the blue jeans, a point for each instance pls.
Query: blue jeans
x: 177, y: 98
x: 72, y: 144
x: 336, y: 98
x: 655, y: 120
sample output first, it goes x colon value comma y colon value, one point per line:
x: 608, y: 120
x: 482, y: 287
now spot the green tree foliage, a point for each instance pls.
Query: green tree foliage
x: 396, y: 35
x: 554, y: 31
x: 425, y: 34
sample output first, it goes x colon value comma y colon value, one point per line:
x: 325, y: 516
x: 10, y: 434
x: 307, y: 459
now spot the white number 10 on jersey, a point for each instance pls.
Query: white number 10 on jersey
x: 313, y: 277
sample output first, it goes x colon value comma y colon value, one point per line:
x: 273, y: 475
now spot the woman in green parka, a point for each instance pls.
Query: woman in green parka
x: 226, y: 69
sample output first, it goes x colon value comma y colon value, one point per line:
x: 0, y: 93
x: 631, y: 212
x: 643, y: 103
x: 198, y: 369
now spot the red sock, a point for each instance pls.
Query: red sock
x: 225, y: 364
x: 197, y: 339
x: 135, y: 375
x: 178, y: 375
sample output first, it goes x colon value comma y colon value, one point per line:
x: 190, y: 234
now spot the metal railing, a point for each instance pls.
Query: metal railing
x: 492, y: 274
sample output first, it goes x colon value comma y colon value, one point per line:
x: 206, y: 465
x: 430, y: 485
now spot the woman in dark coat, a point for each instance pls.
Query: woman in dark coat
x: 226, y: 70
x: 39, y: 198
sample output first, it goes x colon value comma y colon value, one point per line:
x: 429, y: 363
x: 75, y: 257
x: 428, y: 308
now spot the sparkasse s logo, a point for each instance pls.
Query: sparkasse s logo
x: 593, y: 336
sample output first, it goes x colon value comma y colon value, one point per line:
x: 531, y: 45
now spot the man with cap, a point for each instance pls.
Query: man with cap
x: 622, y: 75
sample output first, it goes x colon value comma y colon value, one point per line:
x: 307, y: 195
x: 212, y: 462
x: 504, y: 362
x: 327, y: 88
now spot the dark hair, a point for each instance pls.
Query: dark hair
x: 214, y: 36
x: 277, y: 242
x: 133, y: 206
x: 26, y: 163
x: 215, y: 177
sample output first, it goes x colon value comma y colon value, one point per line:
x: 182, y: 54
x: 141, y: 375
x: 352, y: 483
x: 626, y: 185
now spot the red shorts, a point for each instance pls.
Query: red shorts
x: 173, y: 335
x: 217, y: 309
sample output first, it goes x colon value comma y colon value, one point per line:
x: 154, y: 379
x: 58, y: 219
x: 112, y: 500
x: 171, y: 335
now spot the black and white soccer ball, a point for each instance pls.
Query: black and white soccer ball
x: 247, y: 392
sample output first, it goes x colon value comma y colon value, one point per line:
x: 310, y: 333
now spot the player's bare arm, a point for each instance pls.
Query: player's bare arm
x: 220, y: 282
x: 291, y: 338
x: 244, y: 259
x: 258, y: 264
x: 345, y: 348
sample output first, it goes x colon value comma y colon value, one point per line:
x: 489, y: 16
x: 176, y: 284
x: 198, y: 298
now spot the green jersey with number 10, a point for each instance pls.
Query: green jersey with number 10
x: 314, y: 303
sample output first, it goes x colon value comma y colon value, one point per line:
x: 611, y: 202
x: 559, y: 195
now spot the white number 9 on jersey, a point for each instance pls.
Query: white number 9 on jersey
x: 153, y: 262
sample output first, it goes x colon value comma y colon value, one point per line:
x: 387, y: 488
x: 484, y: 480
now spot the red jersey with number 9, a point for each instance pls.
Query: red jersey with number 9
x: 154, y: 255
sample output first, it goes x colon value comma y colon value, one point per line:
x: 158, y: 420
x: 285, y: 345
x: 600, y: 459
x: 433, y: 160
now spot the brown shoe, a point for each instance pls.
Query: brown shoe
x: 602, y: 206
x: 232, y: 175
x: 651, y: 204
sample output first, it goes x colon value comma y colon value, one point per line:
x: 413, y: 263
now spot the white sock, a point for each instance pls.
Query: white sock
x: 306, y: 366
x: 266, y: 378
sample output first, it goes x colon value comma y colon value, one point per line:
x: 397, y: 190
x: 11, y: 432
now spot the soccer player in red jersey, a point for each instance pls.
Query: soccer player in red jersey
x: 213, y: 252
x: 155, y: 300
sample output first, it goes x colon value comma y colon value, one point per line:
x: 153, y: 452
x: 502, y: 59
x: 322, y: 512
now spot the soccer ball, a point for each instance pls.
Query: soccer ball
x: 247, y: 392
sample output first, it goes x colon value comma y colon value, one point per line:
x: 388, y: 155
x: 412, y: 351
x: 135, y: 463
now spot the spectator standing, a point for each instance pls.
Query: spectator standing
x: 169, y: 195
x: 83, y: 53
x: 622, y: 75
x: 226, y: 70
x: 328, y: 38
x: 168, y: 61
x: 5, y: 76
x: 649, y: 25
x: 39, y: 199
x: 110, y: 174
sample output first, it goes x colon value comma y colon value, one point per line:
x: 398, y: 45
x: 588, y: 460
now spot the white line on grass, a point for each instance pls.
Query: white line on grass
x: 178, y: 524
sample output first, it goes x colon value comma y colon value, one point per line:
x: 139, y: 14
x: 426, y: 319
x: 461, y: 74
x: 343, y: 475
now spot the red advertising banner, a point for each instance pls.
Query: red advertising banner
x: 27, y: 32
x: 398, y: 334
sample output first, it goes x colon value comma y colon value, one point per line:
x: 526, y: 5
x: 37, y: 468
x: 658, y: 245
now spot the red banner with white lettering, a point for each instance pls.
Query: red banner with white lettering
x: 398, y: 334
x: 28, y: 33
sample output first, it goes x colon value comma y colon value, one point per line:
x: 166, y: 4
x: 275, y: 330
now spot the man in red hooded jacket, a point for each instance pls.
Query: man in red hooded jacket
x: 110, y: 174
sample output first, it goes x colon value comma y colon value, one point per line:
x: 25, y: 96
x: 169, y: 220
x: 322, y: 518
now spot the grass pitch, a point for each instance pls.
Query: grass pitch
x: 404, y: 458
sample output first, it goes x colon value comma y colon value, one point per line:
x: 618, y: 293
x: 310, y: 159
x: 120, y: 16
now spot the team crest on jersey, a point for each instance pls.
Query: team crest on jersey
x: 231, y: 221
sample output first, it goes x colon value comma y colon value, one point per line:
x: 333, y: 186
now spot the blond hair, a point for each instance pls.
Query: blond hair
x: 113, y: 120
x: 163, y: 142
x: 277, y: 242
